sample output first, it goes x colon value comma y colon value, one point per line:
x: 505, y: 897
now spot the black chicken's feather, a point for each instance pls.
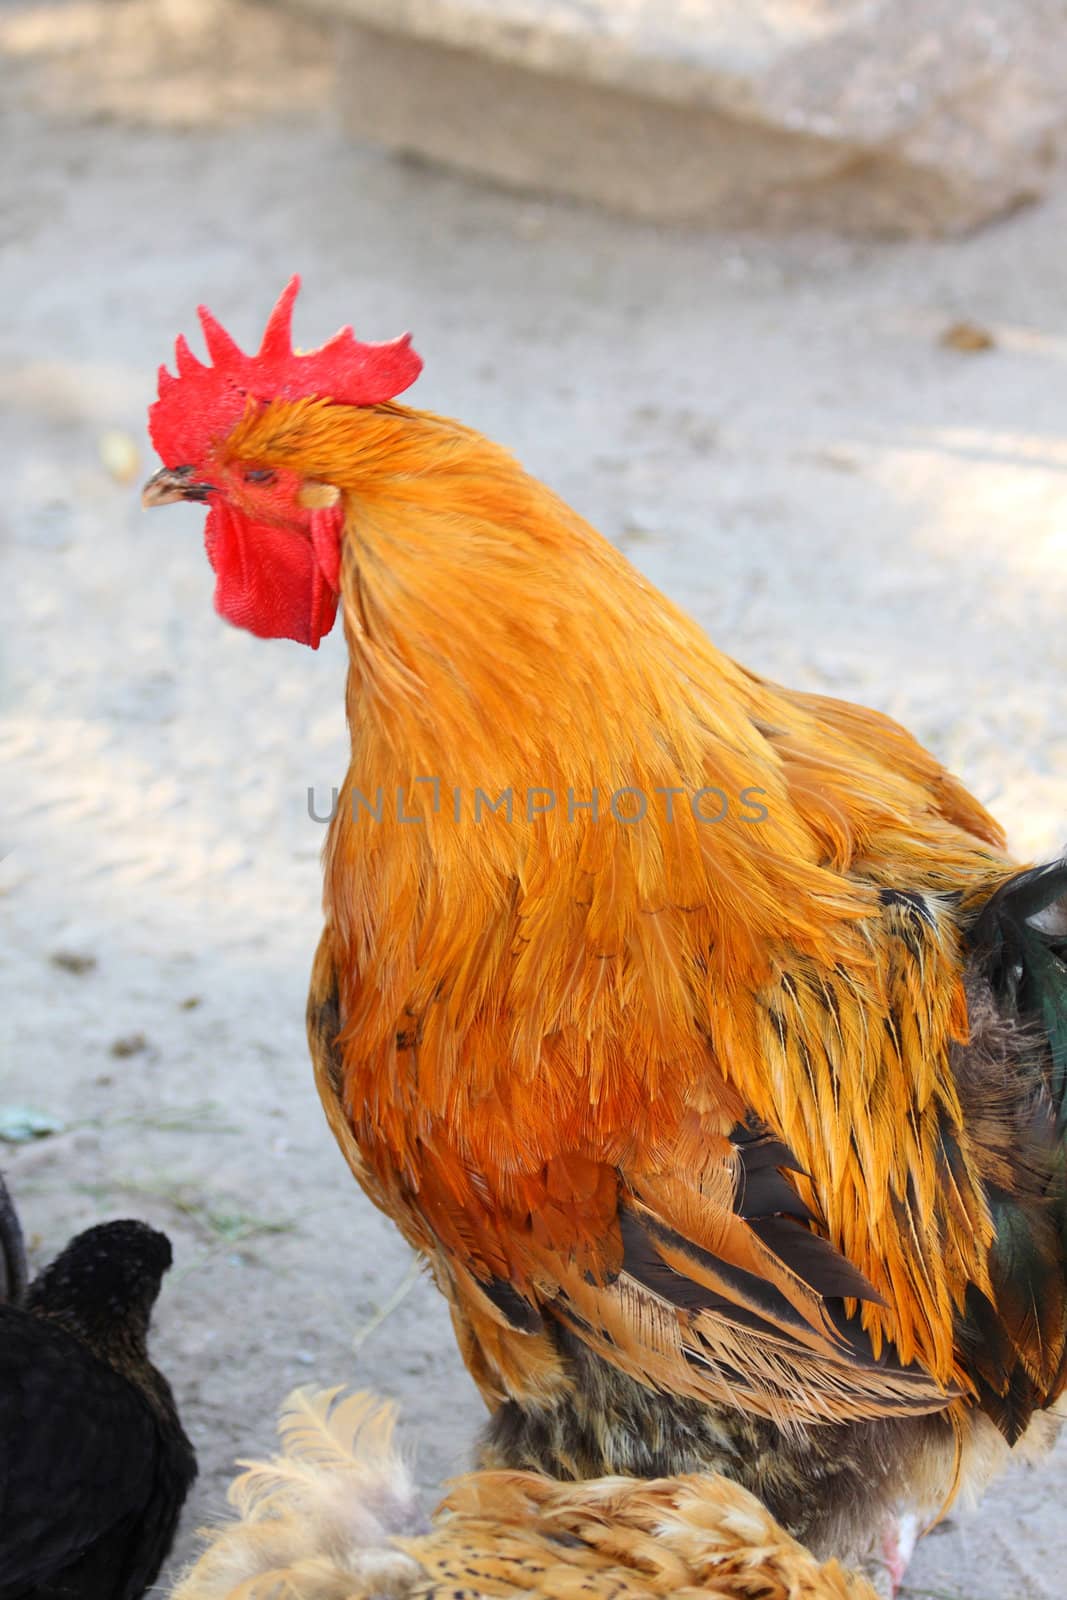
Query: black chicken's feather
x: 77, y: 1451
x: 1014, y: 1341
x: 1020, y: 939
x: 12, y: 1250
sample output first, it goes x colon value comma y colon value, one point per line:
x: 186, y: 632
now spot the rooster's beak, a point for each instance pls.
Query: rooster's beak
x: 173, y: 483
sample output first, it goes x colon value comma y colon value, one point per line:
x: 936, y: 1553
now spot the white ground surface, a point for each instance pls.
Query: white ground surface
x: 770, y: 429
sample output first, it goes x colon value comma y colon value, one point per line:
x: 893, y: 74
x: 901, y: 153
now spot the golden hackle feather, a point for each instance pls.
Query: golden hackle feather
x: 332, y: 1518
x: 541, y: 1017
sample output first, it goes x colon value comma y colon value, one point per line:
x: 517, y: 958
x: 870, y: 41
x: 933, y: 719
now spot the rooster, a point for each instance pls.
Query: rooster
x: 336, y: 1514
x: 700, y: 1033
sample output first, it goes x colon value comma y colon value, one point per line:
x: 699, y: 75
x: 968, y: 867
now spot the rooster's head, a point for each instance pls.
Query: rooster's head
x: 253, y: 438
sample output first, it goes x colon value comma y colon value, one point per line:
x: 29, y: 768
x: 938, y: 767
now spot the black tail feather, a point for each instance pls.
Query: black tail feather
x: 13, y: 1269
x: 1020, y: 942
x: 1014, y: 1341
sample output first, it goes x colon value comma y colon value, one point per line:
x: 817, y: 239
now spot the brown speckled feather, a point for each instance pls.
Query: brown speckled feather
x: 334, y: 1517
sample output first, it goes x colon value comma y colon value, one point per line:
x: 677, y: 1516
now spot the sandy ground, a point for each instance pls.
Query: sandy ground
x: 771, y: 429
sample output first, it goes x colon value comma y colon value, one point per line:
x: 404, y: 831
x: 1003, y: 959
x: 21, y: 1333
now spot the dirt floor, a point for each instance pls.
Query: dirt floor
x: 774, y: 432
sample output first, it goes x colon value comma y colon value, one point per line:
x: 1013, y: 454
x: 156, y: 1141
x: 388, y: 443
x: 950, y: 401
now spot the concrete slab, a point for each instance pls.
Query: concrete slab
x: 877, y: 115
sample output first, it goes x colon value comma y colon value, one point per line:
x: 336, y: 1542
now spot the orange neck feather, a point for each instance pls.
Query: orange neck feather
x: 498, y: 643
x: 533, y: 1000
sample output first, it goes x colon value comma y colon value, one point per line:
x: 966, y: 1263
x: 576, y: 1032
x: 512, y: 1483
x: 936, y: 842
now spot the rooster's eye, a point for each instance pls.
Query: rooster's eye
x: 259, y: 475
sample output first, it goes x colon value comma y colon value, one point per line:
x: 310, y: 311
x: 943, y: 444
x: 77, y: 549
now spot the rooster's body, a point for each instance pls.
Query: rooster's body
x: 733, y: 1143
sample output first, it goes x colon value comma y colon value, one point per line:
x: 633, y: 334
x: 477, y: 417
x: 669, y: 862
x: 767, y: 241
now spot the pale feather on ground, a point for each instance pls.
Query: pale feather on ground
x: 335, y: 1516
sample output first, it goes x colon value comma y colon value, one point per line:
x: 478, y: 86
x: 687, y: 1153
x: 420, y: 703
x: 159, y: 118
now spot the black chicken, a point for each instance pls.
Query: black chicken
x: 94, y: 1463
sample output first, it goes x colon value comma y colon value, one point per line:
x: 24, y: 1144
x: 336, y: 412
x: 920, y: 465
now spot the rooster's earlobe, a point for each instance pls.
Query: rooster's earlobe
x: 318, y: 496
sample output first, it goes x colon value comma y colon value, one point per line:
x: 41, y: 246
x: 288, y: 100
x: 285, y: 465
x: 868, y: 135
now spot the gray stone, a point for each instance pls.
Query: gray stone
x: 915, y: 116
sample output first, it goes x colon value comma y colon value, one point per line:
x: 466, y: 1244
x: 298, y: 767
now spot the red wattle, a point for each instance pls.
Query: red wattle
x: 271, y: 580
x: 327, y: 527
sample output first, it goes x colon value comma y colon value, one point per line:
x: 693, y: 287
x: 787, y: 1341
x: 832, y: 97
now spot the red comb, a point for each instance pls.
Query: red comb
x: 203, y: 402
